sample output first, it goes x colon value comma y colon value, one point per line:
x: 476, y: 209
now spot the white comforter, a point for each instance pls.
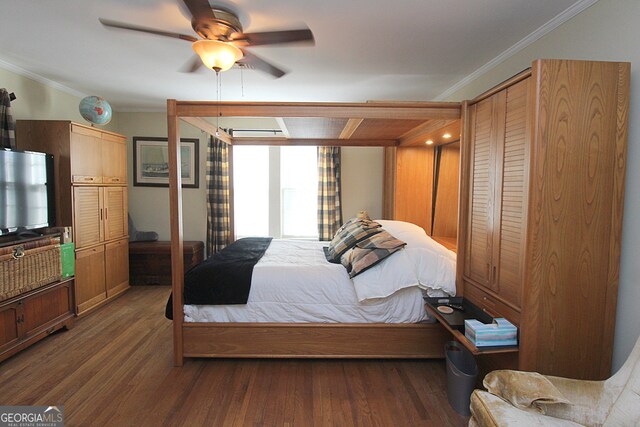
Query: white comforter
x: 293, y: 282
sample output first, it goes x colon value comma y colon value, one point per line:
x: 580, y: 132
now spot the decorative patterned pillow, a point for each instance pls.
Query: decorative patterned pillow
x: 352, y: 232
x: 369, y: 252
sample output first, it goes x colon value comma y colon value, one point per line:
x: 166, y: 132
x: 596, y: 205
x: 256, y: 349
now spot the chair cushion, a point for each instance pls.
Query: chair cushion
x: 524, y: 390
x: 488, y: 410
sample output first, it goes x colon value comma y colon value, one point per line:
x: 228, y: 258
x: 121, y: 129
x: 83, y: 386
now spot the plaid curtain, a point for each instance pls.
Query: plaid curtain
x: 329, y: 205
x: 219, y: 231
x: 7, y: 125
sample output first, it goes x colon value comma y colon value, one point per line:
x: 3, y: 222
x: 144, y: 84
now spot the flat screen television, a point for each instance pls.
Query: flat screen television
x: 27, y: 199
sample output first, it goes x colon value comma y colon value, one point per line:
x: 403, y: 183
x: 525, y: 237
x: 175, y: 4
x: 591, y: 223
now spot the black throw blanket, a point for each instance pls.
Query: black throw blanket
x: 224, y: 278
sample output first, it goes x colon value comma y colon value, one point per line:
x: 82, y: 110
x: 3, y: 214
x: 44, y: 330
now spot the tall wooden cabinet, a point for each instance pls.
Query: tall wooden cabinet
x: 543, y: 167
x: 91, y: 195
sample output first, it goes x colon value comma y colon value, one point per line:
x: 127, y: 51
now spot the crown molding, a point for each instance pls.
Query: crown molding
x: 38, y: 78
x: 543, y: 30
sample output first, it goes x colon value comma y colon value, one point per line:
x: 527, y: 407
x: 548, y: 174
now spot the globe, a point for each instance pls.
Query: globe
x: 95, y: 110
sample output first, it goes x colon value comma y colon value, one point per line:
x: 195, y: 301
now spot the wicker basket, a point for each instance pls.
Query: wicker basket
x: 24, y: 267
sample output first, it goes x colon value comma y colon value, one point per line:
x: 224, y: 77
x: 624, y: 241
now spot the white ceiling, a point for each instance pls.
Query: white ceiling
x: 411, y: 50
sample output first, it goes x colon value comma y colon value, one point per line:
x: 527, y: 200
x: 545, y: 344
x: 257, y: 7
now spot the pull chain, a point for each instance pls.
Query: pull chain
x: 218, y: 97
x: 242, y: 81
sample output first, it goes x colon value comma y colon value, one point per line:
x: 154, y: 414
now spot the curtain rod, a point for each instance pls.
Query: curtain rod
x: 256, y: 130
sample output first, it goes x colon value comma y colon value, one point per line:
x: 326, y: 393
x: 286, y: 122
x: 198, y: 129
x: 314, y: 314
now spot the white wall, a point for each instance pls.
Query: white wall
x: 38, y: 101
x: 608, y: 30
x: 149, y: 206
x: 362, y: 181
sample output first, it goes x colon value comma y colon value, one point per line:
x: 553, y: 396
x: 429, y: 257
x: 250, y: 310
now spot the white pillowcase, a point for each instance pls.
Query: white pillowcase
x: 414, y: 235
x: 435, y: 268
x: 423, y: 263
x: 387, y: 277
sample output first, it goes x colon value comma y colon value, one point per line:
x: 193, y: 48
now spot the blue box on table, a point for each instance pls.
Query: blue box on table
x: 499, y: 333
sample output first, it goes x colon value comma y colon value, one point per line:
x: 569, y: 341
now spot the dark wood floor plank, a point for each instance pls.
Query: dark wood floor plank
x: 377, y: 394
x: 340, y: 402
x: 434, y: 393
x: 360, y: 409
x: 406, y: 400
x: 303, y: 407
x: 115, y: 368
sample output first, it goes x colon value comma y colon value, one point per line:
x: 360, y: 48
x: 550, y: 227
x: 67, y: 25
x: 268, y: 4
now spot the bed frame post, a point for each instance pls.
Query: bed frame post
x: 389, y: 184
x: 175, y: 210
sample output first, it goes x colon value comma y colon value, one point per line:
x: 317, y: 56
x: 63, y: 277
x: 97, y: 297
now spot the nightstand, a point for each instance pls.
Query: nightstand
x: 150, y: 262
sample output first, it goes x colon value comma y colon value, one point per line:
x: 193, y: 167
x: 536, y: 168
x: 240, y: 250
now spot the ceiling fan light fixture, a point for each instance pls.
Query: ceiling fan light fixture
x: 217, y: 55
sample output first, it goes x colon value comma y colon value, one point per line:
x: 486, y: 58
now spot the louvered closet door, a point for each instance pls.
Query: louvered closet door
x: 87, y: 216
x: 478, y: 259
x: 513, y: 202
x: 115, y: 203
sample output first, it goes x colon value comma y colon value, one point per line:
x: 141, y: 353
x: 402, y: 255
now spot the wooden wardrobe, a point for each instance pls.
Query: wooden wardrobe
x: 91, y: 195
x: 542, y: 186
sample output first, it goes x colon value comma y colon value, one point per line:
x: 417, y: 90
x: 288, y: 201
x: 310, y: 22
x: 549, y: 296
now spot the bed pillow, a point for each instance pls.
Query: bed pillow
x: 435, y: 269
x: 432, y: 268
x: 414, y: 235
x: 353, y: 231
x: 386, y: 278
x: 369, y: 252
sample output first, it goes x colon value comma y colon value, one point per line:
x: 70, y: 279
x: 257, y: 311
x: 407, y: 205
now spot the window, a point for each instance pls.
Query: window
x: 275, y: 191
x: 299, y: 191
x: 251, y: 191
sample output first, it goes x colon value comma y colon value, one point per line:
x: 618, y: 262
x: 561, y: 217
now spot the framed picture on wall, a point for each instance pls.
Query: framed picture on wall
x: 151, y: 162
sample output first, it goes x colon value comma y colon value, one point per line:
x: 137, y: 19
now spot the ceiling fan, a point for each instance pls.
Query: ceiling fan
x: 223, y: 43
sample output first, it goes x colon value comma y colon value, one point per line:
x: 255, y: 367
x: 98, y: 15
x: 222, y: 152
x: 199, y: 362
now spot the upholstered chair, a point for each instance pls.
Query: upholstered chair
x: 613, y: 402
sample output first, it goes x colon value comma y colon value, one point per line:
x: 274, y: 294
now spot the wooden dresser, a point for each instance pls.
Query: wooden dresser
x: 150, y: 262
x: 542, y: 188
x: 91, y: 194
x: 30, y: 317
x: 36, y: 293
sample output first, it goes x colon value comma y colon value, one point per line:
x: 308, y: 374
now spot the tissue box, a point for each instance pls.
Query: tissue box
x: 499, y: 333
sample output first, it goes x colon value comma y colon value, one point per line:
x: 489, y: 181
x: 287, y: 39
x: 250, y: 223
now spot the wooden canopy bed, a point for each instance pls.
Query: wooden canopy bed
x: 390, y: 125
x: 543, y: 160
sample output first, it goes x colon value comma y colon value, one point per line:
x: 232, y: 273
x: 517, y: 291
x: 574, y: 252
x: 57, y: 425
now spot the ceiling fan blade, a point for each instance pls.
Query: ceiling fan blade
x: 258, y: 63
x: 192, y: 65
x: 273, y: 37
x: 200, y: 10
x: 124, y: 26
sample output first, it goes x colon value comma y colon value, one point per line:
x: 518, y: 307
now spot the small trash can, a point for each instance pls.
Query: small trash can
x: 462, y: 373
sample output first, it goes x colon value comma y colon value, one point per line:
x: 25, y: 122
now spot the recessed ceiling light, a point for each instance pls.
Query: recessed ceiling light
x: 446, y: 136
x: 429, y: 141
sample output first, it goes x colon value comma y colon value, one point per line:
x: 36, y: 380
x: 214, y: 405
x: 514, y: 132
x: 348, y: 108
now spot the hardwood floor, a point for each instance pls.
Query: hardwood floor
x: 115, y: 369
